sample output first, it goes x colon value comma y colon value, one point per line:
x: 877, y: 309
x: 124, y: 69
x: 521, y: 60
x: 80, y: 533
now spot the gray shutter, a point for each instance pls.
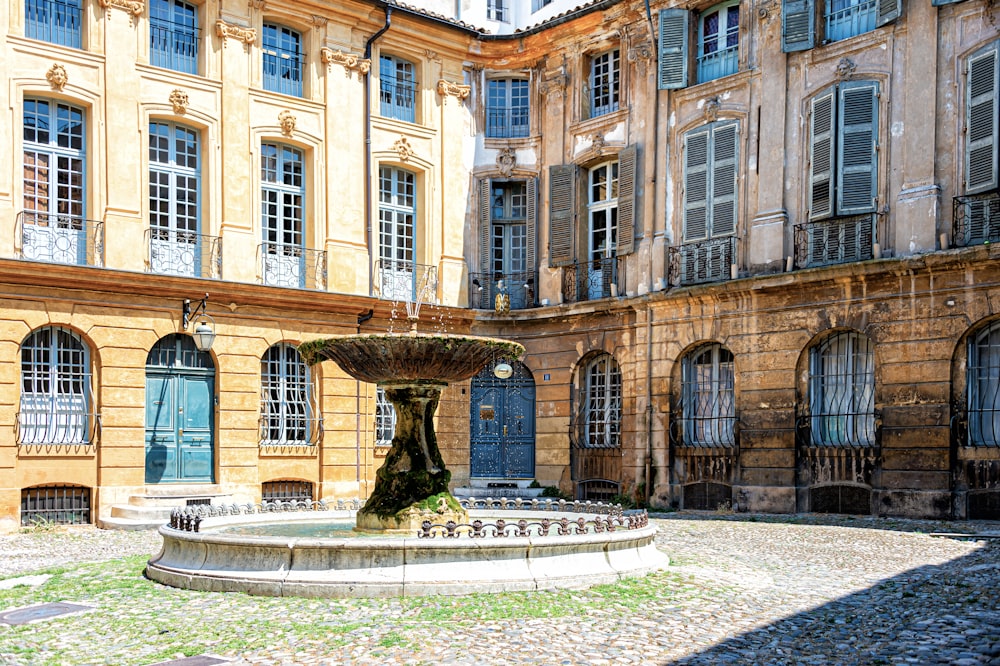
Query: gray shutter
x: 857, y: 148
x: 888, y: 11
x: 821, y: 155
x: 485, y: 228
x: 982, y: 130
x: 626, y: 201
x: 530, y: 224
x: 675, y: 32
x: 798, y: 25
x: 696, y: 185
x: 724, y: 149
x: 561, y: 214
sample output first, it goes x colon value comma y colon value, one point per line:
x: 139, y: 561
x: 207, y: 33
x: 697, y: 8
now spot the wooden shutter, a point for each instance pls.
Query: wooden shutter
x: 724, y: 149
x: 696, y: 185
x: 982, y: 130
x: 798, y: 25
x: 562, y: 179
x: 938, y: 3
x: 675, y: 33
x: 821, y: 142
x: 626, y: 201
x: 888, y: 11
x: 530, y: 224
x: 857, y: 147
x: 485, y: 228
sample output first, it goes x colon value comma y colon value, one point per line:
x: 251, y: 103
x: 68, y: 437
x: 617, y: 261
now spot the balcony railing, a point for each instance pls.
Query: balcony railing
x: 594, y: 279
x: 846, y: 21
x: 719, y: 63
x: 521, y: 287
x: 54, y: 21
x: 705, y: 261
x: 292, y: 266
x: 174, y: 252
x: 838, y: 241
x: 283, y: 72
x: 60, y: 239
x: 507, y: 123
x: 398, y: 98
x: 405, y: 281
x: 174, y: 45
x: 976, y: 219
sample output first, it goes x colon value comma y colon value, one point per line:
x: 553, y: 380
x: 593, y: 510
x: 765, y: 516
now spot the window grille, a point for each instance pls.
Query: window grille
x: 842, y: 391
x: 385, y: 419
x: 286, y: 398
x: 282, y: 59
x: 708, y: 411
x: 602, y: 403
x: 983, y: 388
x: 55, y: 21
x: 397, y: 89
x: 60, y: 505
x: 286, y: 491
x: 598, y: 490
x: 56, y: 390
x: 604, y: 83
x: 173, y: 35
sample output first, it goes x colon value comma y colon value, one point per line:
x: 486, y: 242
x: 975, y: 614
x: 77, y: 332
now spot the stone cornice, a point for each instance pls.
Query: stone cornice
x: 349, y: 61
x: 457, y: 90
x: 229, y: 31
x: 133, y: 7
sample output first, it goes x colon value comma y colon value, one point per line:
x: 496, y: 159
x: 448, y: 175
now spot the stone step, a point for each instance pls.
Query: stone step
x: 152, y: 509
x: 133, y: 524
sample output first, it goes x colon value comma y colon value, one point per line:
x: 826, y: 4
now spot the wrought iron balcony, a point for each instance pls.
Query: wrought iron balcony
x: 591, y: 280
x: 705, y: 261
x: 976, y: 219
x: 52, y: 426
x: 838, y: 241
x: 398, y: 98
x: 521, y: 287
x: 405, y: 281
x: 174, y: 45
x: 292, y: 266
x: 60, y: 239
x: 173, y: 252
x: 507, y: 123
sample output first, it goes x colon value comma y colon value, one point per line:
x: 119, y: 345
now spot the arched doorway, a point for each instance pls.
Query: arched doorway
x: 180, y: 408
x: 503, y: 424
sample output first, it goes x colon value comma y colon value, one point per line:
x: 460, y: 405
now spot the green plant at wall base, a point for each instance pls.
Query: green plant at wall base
x: 534, y: 484
x: 554, y: 492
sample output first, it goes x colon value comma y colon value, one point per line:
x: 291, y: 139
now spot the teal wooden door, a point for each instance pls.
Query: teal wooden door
x: 503, y: 425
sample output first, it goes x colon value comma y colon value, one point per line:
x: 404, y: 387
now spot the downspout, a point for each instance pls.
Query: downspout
x: 368, y: 148
x: 362, y: 318
x: 651, y: 239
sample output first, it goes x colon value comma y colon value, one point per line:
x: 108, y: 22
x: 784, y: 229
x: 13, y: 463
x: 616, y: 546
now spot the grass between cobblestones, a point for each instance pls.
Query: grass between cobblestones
x: 138, y: 621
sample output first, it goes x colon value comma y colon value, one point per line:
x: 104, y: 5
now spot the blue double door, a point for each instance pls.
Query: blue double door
x: 503, y: 425
x: 179, y: 426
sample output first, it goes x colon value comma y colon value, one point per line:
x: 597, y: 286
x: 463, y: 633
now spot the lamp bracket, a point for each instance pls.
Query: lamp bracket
x: 188, y: 314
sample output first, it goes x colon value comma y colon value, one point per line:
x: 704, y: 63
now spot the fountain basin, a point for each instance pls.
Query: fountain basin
x: 392, y: 566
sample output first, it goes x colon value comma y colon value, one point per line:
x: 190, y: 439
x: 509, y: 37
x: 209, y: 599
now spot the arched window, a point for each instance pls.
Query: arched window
x: 56, y: 394
x: 286, y: 398
x: 283, y: 58
x: 983, y: 387
x: 842, y: 391
x: 708, y: 409
x: 718, y: 41
x: 397, y: 88
x: 602, y: 403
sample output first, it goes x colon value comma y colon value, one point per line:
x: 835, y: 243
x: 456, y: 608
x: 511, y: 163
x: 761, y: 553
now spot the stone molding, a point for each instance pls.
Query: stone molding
x: 133, y: 7
x: 403, y: 149
x: 457, y: 90
x: 229, y: 31
x: 506, y: 161
x: 349, y: 61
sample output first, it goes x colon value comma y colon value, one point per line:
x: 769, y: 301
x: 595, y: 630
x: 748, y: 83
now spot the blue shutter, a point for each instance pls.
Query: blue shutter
x: 888, y: 11
x: 821, y: 143
x: 857, y: 143
x: 982, y: 129
x: 485, y: 225
x: 675, y: 33
x: 531, y: 223
x: 798, y: 25
x: 626, y: 201
x: 562, y: 182
x: 696, y: 185
x: 724, y: 149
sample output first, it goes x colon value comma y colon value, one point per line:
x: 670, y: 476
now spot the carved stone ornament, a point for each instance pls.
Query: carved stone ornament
x: 319, y: 21
x: 506, y: 159
x: 845, y: 68
x: 133, y: 7
x: 228, y: 31
x: 641, y: 54
x: 179, y: 99
x: 597, y: 141
x: 554, y: 83
x: 766, y: 11
x: 57, y: 77
x: 403, y: 149
x: 458, y: 90
x: 256, y: 4
x: 711, y: 109
x: 348, y: 61
x: 287, y: 121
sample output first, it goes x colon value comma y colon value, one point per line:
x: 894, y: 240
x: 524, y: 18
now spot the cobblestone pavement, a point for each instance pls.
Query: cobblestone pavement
x: 743, y: 589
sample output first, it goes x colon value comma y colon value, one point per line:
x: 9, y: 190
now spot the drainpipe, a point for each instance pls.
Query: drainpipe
x: 362, y: 318
x: 651, y: 239
x: 368, y: 149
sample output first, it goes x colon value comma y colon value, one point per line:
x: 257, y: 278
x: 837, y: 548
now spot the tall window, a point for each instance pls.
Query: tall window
x: 802, y: 21
x: 385, y: 419
x: 842, y: 391
x: 604, y: 83
x: 506, y: 108
x: 977, y: 210
x: 55, y: 389
x: 710, y: 181
x: 496, y: 10
x: 983, y: 388
x: 173, y: 35
x: 286, y: 392
x: 602, y: 395
x: 283, y: 58
x: 602, y: 215
x: 56, y: 21
x: 397, y: 88
x: 708, y: 410
x: 174, y: 201
x: 718, y: 41
x: 283, y: 214
x: 54, y: 228
x: 397, y: 233
x: 846, y: 18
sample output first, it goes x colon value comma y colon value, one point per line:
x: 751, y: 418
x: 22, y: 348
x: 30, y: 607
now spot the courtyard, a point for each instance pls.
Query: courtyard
x: 741, y: 589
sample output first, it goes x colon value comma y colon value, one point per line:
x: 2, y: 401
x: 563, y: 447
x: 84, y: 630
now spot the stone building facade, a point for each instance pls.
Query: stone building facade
x: 747, y: 247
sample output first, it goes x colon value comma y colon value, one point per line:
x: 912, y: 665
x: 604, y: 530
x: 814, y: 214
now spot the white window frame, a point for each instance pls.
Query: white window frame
x: 385, y: 418
x: 602, y: 408
x: 174, y: 199
x: 605, y: 82
x: 56, y: 389
x: 287, y: 396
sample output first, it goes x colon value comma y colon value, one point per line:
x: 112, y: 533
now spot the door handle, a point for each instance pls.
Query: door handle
x: 505, y: 431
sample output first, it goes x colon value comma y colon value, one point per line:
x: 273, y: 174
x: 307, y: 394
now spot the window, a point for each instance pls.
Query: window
x: 602, y: 395
x: 174, y: 201
x: 538, y: 4
x: 841, y: 19
x: 496, y: 10
x: 385, y: 419
x: 983, y: 388
x: 708, y: 409
x: 842, y: 391
x: 286, y: 392
x: 55, y: 389
x: 718, y: 41
x: 846, y: 18
x: 53, y: 225
x: 283, y: 215
x: 506, y: 108
x: 507, y: 241
x: 602, y: 236
x: 397, y: 233
x: 710, y: 181
x: 604, y: 83
x: 283, y: 58
x: 56, y: 21
x: 173, y: 35
x: 397, y: 89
